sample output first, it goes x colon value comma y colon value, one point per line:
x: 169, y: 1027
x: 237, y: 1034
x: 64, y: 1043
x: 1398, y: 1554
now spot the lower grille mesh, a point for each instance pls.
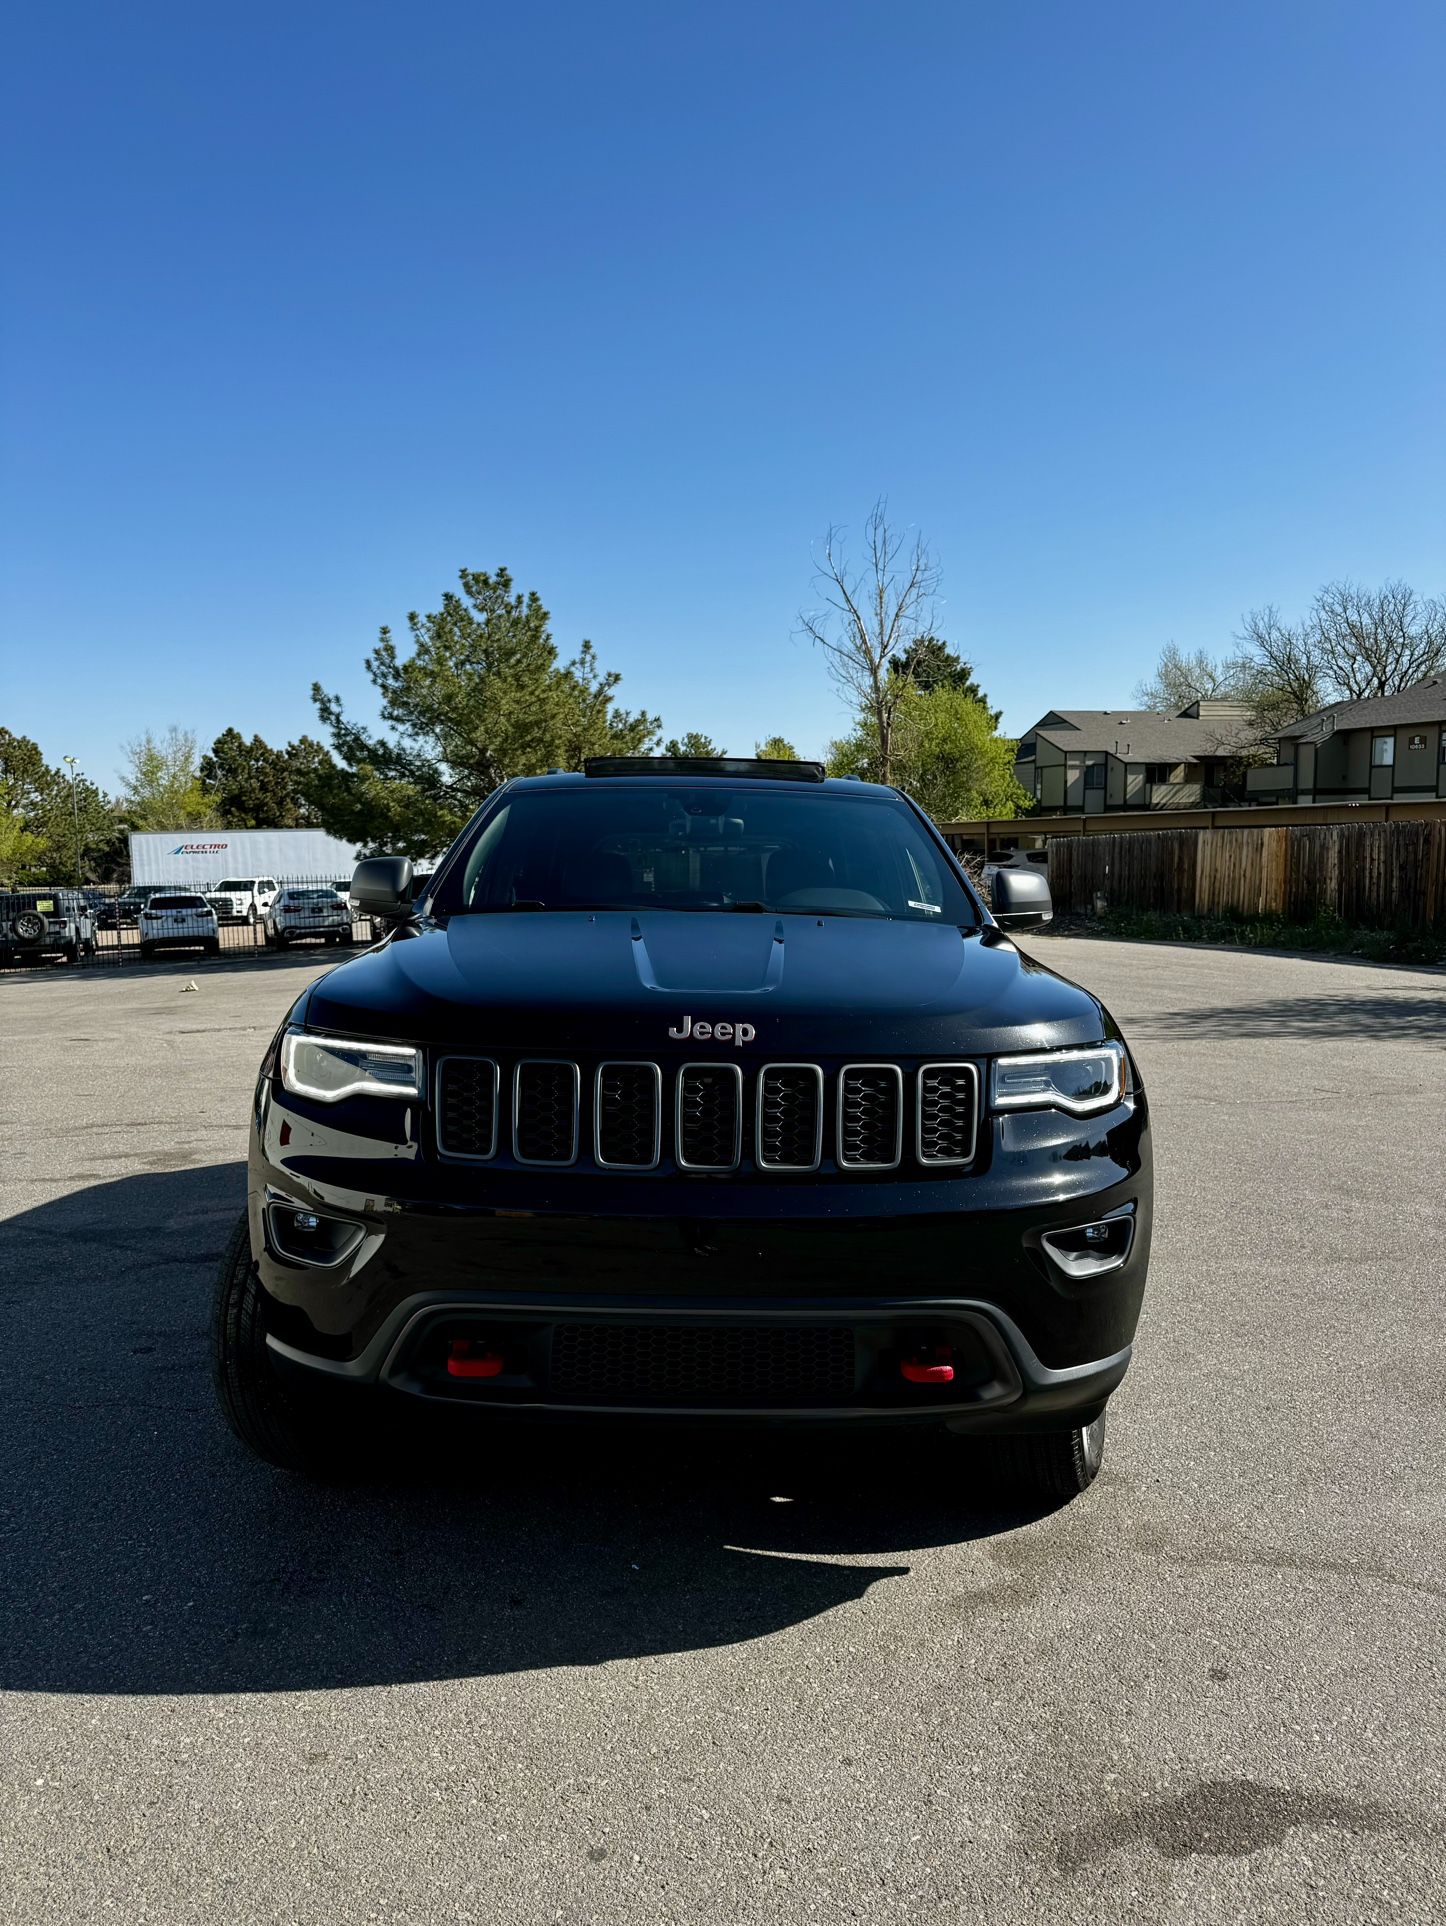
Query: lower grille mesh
x: 734, y: 1366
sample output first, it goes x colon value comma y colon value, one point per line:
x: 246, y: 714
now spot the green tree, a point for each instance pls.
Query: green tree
x: 929, y: 663
x: 693, y: 744
x: 255, y: 786
x: 945, y: 754
x: 481, y: 696
x: 162, y: 782
x: 53, y: 827
x: 20, y: 848
x: 776, y: 749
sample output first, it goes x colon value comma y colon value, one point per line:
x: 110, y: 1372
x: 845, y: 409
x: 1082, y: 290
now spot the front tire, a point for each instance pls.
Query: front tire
x: 148, y: 950
x: 1049, y: 1466
x: 294, y: 1425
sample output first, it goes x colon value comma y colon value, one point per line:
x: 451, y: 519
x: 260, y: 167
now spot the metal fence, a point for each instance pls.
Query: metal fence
x: 182, y: 925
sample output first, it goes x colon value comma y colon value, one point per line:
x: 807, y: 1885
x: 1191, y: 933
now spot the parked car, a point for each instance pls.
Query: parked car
x: 693, y: 1091
x: 130, y: 902
x: 299, y: 912
x: 1035, y: 859
x: 182, y: 921
x: 36, y: 923
x: 249, y: 897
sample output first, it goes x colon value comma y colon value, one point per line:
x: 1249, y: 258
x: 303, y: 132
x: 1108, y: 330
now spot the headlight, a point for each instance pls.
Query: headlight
x: 330, y: 1068
x: 1079, y: 1081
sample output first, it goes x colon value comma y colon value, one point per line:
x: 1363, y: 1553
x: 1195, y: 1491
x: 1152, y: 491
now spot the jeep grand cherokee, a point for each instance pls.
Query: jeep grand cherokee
x: 693, y: 1090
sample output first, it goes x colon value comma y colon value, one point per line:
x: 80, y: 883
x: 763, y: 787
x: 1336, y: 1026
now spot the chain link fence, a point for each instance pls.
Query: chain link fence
x: 180, y: 924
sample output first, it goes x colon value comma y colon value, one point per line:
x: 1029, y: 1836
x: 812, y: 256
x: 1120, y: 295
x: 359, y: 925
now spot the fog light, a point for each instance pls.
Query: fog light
x: 1089, y: 1250
x: 310, y: 1236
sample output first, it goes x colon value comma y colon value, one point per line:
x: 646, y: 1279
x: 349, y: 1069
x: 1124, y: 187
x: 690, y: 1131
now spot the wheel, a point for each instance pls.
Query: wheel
x: 213, y: 946
x: 251, y: 914
x: 1049, y: 1464
x: 298, y: 1426
x: 148, y: 950
x: 282, y: 942
x: 89, y: 946
x: 71, y: 953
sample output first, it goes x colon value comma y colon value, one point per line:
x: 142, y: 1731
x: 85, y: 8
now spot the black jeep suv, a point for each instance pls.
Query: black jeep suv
x: 693, y: 1090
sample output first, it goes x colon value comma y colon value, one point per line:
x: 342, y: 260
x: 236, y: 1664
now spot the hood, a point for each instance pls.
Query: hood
x: 615, y: 983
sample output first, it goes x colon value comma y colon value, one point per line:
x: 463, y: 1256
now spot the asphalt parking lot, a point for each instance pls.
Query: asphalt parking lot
x: 738, y: 1684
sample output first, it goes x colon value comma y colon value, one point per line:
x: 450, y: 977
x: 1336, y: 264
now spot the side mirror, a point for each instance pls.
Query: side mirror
x: 1020, y: 898
x: 382, y: 887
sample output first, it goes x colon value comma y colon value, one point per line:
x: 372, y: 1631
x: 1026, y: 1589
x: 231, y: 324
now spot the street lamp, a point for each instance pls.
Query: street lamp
x: 75, y: 813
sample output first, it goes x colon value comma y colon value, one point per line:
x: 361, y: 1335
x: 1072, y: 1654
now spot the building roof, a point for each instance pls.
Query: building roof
x: 1422, y: 702
x: 1143, y: 735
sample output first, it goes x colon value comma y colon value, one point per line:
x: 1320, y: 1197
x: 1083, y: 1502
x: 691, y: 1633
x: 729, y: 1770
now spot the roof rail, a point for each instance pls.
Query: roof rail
x: 730, y: 766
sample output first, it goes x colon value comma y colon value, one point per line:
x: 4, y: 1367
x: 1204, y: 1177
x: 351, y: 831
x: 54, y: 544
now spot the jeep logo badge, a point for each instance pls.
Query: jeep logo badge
x: 721, y: 1032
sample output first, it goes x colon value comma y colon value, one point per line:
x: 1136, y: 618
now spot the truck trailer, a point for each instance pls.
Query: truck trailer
x: 205, y: 858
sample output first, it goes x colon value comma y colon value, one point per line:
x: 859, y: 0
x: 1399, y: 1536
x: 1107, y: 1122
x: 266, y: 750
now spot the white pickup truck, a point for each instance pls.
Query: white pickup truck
x: 247, y: 898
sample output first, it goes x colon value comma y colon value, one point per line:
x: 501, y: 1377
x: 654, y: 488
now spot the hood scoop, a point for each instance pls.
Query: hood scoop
x: 746, y: 959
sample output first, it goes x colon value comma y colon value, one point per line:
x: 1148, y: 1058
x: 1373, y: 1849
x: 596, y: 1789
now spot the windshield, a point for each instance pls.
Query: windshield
x: 613, y: 845
x: 234, y: 882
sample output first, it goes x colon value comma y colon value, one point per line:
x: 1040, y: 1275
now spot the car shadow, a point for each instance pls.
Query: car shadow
x: 145, y: 1551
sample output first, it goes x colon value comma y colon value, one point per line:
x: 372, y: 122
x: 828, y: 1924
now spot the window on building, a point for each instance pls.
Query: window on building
x: 1094, y: 775
x: 1157, y: 772
x: 1383, y: 752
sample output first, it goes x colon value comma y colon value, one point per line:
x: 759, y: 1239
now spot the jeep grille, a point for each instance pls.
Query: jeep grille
x: 792, y: 1117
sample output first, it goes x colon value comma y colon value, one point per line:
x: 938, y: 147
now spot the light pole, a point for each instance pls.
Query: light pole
x: 75, y: 814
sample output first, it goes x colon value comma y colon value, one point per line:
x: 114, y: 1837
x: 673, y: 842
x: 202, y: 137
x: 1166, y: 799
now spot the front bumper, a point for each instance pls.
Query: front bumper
x: 532, y: 1263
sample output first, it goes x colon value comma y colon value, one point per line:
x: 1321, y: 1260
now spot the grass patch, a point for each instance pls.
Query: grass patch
x: 1326, y: 933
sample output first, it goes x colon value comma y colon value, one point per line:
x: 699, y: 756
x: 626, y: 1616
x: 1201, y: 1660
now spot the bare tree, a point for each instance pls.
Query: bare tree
x: 1286, y: 678
x: 1181, y: 678
x: 870, y: 616
x: 1375, y: 642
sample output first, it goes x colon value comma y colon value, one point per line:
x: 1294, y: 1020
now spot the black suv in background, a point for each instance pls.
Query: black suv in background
x: 38, y: 923
x: 693, y: 1090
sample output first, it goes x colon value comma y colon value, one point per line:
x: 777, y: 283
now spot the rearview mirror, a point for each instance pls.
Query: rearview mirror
x: 1020, y: 898
x: 382, y: 887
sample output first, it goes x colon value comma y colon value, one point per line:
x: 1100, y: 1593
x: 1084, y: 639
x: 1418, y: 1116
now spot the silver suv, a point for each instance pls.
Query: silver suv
x: 36, y: 923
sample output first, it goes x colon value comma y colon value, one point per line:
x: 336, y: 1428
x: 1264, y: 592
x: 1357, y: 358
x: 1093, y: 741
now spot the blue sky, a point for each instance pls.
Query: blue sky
x: 1135, y: 311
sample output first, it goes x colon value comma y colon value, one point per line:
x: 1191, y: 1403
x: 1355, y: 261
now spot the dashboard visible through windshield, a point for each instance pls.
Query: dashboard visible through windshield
x: 612, y: 845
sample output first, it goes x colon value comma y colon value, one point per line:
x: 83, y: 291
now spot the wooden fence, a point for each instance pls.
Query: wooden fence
x: 1369, y: 874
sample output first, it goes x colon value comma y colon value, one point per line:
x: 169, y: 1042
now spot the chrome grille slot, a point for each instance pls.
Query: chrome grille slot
x: 790, y: 1116
x: 709, y: 1116
x: 628, y: 1115
x: 467, y: 1107
x: 870, y: 1116
x: 948, y: 1113
x: 544, y: 1111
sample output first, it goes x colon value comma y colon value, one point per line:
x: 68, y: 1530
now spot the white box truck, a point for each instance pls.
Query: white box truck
x: 245, y: 866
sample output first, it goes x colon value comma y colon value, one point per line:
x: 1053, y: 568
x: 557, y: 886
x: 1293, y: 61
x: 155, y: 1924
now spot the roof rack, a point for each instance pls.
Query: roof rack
x: 730, y: 766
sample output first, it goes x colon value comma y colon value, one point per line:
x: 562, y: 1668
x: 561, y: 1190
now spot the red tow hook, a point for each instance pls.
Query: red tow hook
x: 933, y: 1364
x: 468, y: 1359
